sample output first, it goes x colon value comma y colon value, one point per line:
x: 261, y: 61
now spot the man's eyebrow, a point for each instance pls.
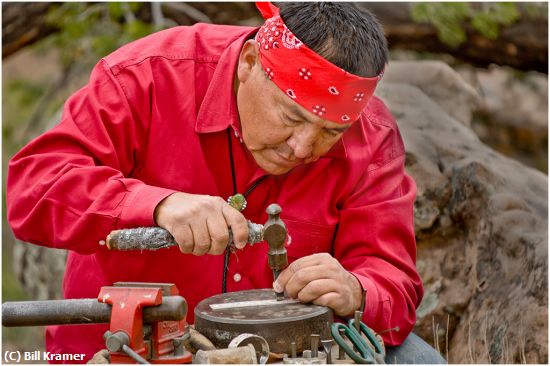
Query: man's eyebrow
x: 340, y: 129
x: 294, y: 110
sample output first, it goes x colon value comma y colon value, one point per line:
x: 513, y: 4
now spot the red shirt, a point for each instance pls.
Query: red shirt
x: 151, y: 121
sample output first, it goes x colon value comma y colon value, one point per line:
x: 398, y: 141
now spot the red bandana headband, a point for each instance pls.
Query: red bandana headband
x: 311, y: 81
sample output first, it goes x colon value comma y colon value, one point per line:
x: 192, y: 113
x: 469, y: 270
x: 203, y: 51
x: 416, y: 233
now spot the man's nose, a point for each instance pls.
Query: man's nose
x: 302, y: 141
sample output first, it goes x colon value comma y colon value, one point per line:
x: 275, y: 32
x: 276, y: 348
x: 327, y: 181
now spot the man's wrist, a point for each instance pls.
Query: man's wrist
x: 158, y: 208
x: 357, y: 292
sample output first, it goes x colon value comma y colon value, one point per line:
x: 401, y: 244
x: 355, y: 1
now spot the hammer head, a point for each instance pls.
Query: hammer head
x: 275, y: 234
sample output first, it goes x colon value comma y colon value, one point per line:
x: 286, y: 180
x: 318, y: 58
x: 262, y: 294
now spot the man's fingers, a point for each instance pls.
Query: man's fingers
x: 184, y: 238
x: 219, y: 234
x: 332, y: 299
x: 325, y: 292
x: 237, y: 222
x: 320, y: 279
x: 201, y: 238
x: 303, y: 277
x: 338, y: 302
x: 208, y: 217
x: 301, y: 263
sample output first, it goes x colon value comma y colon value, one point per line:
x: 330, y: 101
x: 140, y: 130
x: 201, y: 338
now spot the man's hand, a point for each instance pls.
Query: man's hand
x: 200, y: 223
x: 321, y: 279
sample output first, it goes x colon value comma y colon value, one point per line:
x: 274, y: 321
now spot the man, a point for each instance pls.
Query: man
x: 171, y: 125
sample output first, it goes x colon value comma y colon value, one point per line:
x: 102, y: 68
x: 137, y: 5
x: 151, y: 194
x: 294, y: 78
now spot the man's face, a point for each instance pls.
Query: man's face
x: 279, y: 133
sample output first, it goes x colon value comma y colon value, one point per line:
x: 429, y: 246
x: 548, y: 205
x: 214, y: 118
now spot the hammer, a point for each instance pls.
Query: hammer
x: 275, y: 234
x: 153, y: 238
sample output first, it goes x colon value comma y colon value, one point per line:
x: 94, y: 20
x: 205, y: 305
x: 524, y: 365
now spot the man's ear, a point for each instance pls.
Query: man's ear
x: 247, y: 60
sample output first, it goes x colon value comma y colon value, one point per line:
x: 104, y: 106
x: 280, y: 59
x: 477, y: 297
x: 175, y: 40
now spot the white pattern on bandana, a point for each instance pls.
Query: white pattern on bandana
x: 289, y: 40
x: 304, y: 73
x: 319, y: 109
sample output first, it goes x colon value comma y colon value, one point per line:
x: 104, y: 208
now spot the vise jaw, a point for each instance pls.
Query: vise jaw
x: 129, y: 339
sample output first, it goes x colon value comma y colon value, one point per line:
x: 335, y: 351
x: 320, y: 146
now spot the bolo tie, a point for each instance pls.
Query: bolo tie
x: 237, y: 201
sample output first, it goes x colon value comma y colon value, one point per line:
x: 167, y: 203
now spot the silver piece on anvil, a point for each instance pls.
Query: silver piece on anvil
x: 246, y: 304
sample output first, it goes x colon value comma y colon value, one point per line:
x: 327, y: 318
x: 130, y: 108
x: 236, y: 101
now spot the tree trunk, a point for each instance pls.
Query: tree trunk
x: 522, y: 45
x: 23, y: 24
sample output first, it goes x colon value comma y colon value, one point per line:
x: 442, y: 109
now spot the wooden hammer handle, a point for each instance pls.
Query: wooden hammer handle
x: 154, y: 238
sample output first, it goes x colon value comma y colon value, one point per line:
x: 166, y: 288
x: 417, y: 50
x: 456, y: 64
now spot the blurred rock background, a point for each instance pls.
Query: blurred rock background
x: 468, y: 86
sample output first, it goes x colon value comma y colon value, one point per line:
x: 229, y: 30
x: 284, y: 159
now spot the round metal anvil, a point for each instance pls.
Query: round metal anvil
x: 223, y: 317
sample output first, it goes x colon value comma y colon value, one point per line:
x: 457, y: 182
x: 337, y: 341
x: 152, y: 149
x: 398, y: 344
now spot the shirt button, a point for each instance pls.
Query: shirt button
x: 236, y: 277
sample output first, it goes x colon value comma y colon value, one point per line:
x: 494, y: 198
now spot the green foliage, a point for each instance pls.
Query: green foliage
x: 451, y: 19
x: 89, y: 31
x: 446, y: 17
x: 24, y: 93
x: 537, y: 10
x: 19, y: 101
x: 493, y: 15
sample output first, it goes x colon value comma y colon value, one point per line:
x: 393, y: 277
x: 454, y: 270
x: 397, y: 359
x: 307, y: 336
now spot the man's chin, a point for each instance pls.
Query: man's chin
x: 275, y: 169
x: 271, y: 164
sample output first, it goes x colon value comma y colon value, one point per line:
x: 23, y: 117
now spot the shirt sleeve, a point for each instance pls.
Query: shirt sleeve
x: 375, y: 241
x: 70, y: 187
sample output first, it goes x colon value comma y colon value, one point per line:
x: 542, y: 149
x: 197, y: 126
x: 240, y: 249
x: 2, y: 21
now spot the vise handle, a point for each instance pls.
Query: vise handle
x: 83, y: 311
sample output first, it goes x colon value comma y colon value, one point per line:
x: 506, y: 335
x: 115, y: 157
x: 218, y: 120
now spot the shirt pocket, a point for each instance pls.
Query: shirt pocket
x: 308, y: 238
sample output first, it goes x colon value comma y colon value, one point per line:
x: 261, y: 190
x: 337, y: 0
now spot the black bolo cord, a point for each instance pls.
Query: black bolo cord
x: 234, y: 179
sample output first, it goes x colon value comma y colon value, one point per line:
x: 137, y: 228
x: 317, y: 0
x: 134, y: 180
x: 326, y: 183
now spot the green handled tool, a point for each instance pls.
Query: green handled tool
x: 365, y: 353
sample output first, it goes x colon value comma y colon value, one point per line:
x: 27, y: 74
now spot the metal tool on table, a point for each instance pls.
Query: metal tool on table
x: 327, y: 347
x: 365, y: 353
x: 341, y: 352
x: 147, y: 320
x: 309, y: 356
x: 275, y: 234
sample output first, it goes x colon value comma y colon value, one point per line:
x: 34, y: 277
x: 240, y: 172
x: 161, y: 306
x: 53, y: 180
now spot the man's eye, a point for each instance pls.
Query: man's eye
x: 333, y: 133
x: 291, y: 122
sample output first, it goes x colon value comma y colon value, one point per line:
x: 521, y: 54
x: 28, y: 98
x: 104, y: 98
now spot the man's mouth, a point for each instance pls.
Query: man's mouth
x: 282, y: 160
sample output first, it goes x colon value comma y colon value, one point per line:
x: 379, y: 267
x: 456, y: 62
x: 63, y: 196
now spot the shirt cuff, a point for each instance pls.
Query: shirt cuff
x: 371, y: 314
x: 140, y: 206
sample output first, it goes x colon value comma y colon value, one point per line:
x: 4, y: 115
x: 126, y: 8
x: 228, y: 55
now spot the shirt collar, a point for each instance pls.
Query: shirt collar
x: 218, y: 109
x: 338, y: 150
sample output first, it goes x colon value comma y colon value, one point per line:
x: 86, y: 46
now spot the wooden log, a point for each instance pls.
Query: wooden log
x: 522, y: 45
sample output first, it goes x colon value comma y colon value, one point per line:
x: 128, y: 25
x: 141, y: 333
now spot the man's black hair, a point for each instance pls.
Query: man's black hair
x: 342, y: 33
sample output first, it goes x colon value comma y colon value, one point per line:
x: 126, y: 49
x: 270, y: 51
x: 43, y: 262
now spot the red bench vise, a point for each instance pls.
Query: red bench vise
x: 147, y: 320
x: 129, y: 339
